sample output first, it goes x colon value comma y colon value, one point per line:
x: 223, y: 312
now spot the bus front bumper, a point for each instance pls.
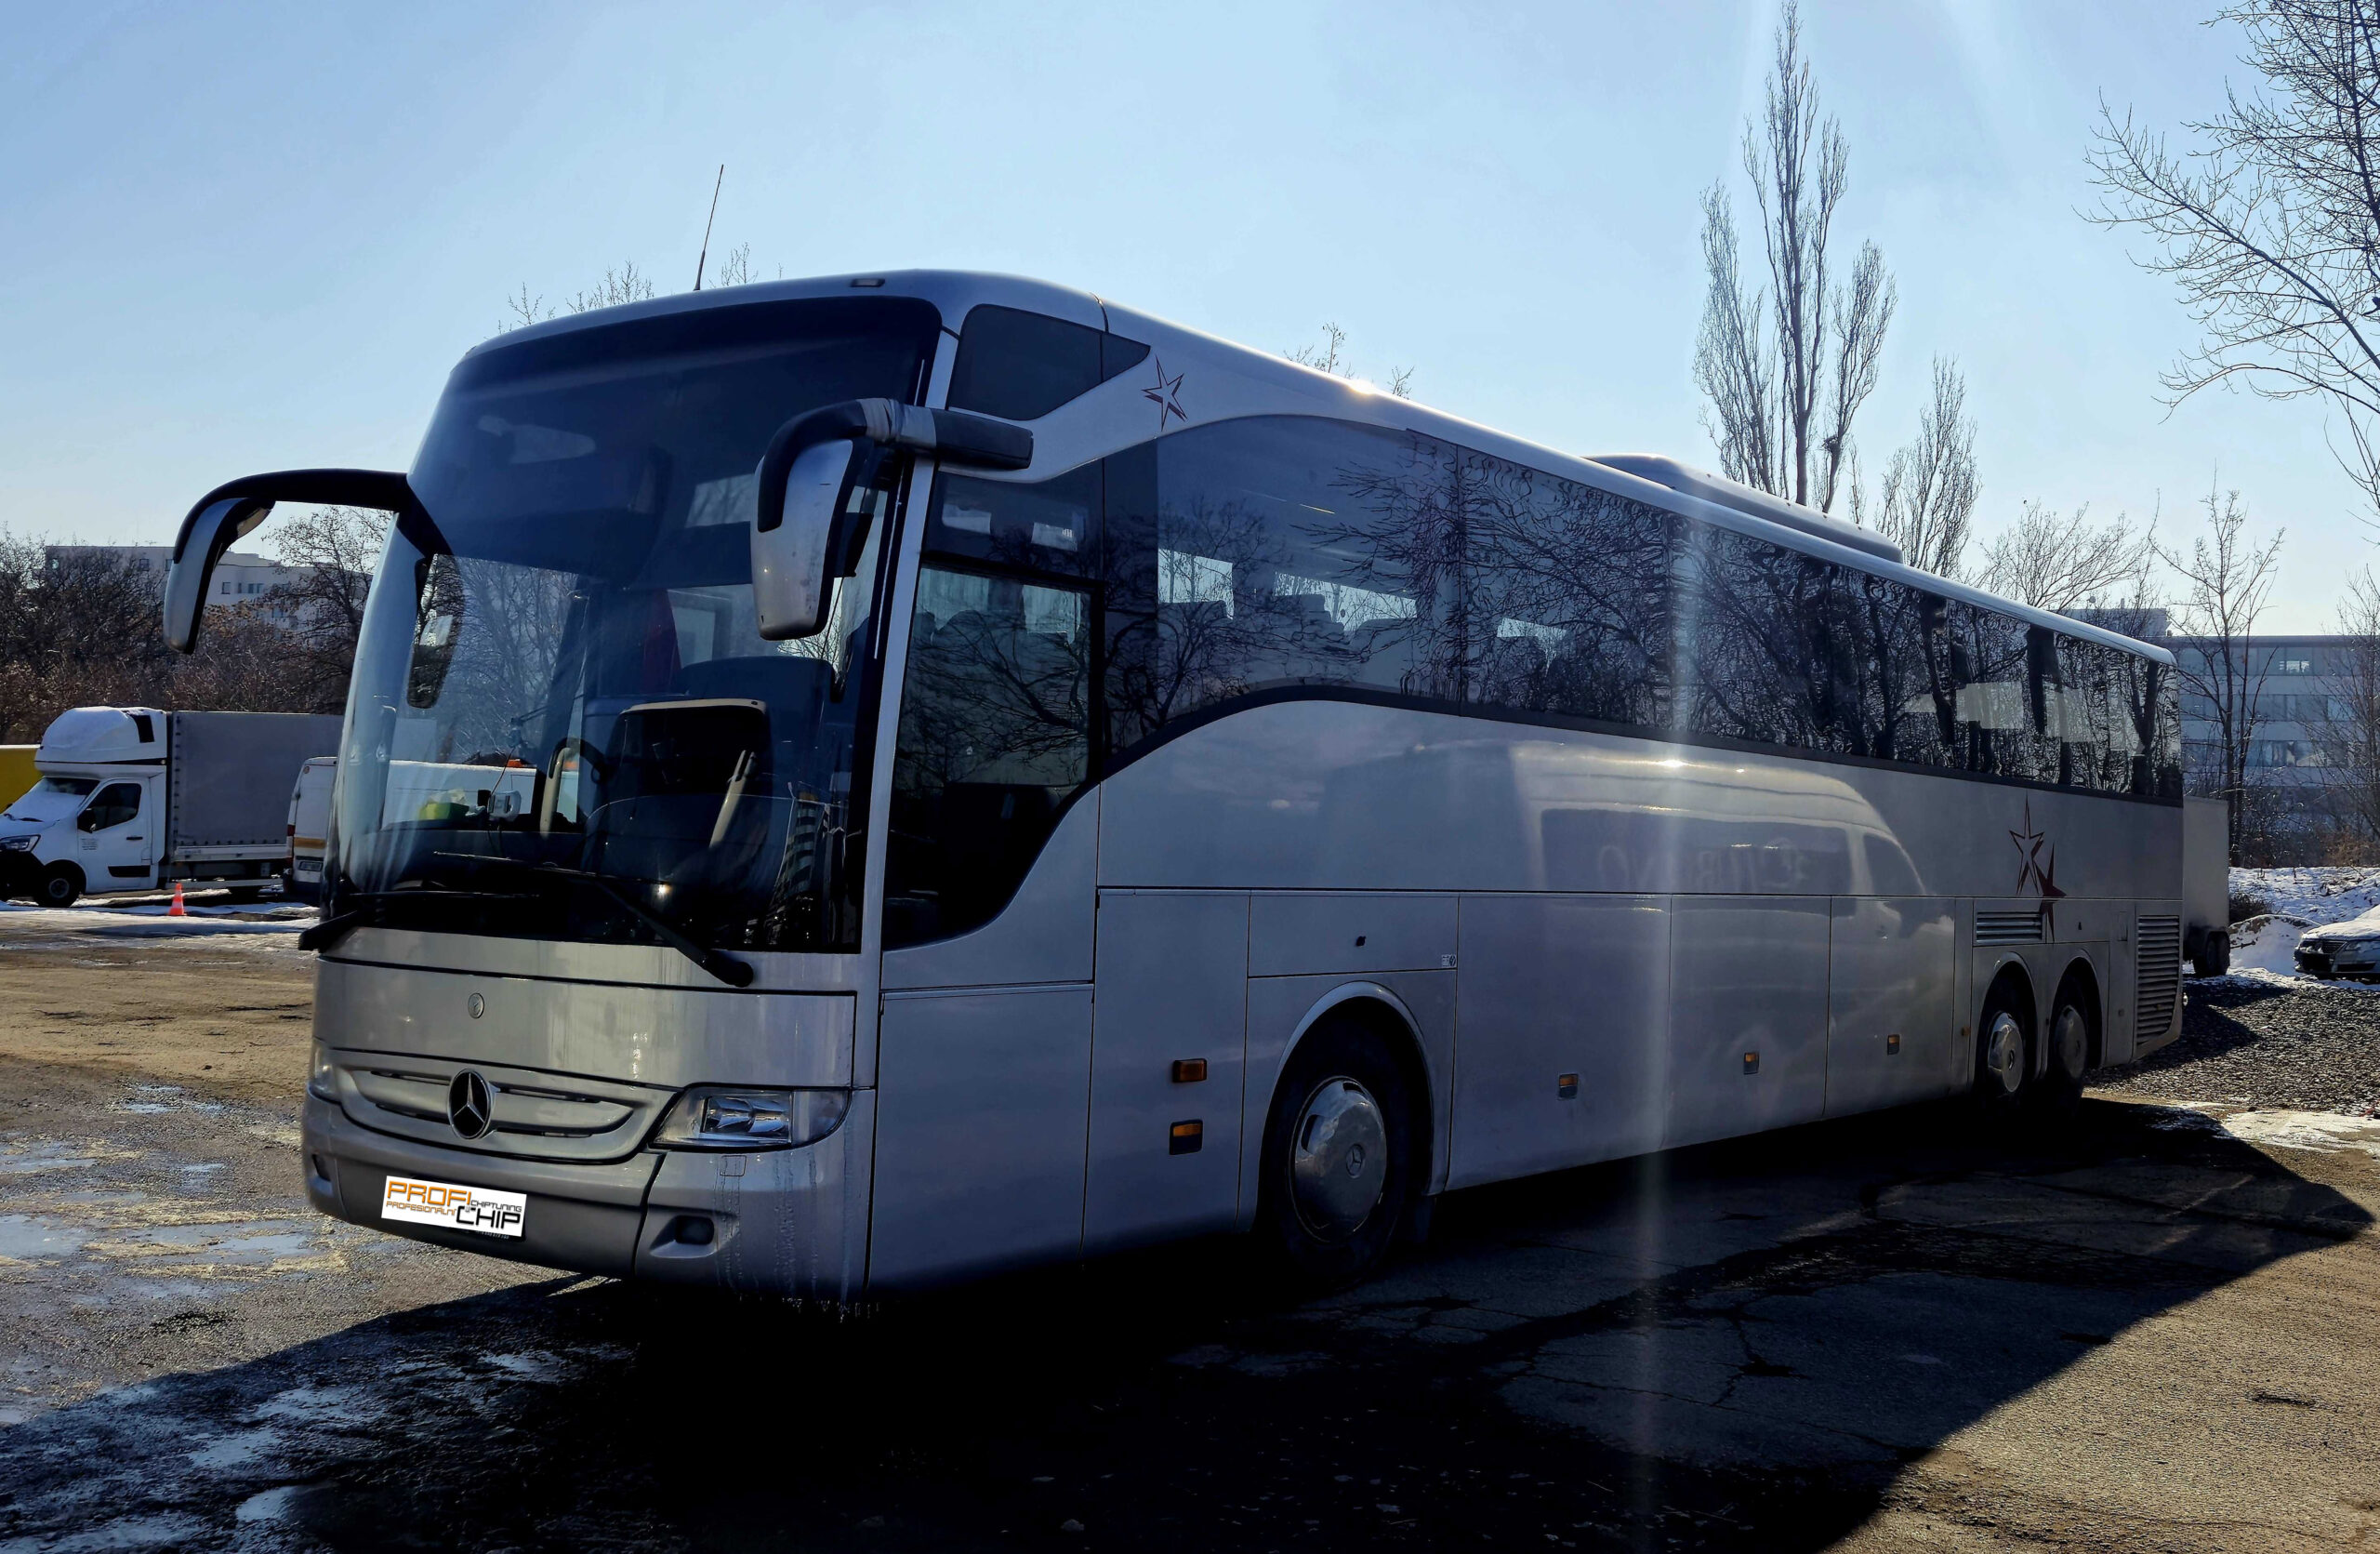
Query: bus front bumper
x: 783, y: 1222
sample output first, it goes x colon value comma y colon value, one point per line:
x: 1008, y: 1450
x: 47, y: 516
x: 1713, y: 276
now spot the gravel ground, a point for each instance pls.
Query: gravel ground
x: 2261, y: 1042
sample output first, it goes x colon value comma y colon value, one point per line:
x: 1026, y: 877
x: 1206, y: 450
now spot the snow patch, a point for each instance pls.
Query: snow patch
x: 2266, y: 943
x: 269, y: 1506
x: 2313, y: 896
x: 2325, y: 1131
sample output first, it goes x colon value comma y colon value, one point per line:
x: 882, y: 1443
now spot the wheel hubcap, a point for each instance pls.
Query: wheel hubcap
x: 1338, y: 1158
x: 2071, y: 1042
x: 2004, y: 1052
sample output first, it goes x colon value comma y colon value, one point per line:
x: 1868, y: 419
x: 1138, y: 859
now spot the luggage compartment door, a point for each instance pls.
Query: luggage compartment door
x: 1168, y: 1051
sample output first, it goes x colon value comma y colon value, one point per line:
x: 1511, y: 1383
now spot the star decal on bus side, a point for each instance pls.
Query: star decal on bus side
x: 2033, y: 869
x: 1167, y: 394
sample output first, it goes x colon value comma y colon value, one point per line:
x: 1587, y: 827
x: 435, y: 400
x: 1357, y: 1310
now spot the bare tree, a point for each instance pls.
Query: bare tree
x: 1786, y: 367
x: 626, y: 283
x: 1732, y: 362
x: 79, y: 627
x: 334, y: 551
x: 2345, y: 724
x: 1328, y: 357
x: 2225, y: 579
x: 735, y: 267
x: 1931, y: 486
x: 2065, y: 563
x: 2270, y: 225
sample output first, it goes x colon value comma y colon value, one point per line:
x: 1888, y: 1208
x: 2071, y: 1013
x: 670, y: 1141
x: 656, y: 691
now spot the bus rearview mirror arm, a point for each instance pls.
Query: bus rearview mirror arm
x: 804, y: 533
x: 234, y: 509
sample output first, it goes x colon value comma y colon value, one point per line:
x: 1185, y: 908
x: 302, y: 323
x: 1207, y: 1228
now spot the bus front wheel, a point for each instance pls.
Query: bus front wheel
x: 1338, y: 1160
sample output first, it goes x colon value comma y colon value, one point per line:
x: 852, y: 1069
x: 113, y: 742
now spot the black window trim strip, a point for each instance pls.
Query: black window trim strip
x: 1273, y: 696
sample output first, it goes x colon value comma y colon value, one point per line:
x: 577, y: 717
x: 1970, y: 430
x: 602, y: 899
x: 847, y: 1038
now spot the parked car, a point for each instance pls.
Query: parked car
x: 2349, y: 949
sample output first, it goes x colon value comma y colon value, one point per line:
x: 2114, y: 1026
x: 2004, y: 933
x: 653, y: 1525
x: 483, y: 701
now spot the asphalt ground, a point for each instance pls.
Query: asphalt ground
x: 2151, y: 1331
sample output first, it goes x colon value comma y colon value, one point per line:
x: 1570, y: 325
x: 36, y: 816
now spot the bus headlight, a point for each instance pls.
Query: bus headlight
x: 321, y: 1075
x: 725, y: 1117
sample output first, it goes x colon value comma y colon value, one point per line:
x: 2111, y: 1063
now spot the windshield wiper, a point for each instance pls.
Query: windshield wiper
x: 727, y: 968
x: 330, y: 930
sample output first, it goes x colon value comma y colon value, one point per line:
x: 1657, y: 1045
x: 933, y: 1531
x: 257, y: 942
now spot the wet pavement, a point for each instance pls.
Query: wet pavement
x: 1890, y: 1333
x: 2154, y: 1331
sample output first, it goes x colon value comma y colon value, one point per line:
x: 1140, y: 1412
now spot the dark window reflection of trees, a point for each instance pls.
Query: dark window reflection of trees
x: 1274, y: 552
x: 994, y: 737
x: 1397, y: 564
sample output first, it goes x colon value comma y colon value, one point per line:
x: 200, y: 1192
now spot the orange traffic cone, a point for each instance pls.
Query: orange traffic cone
x: 176, y: 910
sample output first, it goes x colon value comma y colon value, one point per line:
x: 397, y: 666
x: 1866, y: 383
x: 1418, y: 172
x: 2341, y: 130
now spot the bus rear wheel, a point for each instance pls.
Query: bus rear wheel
x: 2003, y: 1058
x: 1338, y: 1164
x: 2058, y: 1094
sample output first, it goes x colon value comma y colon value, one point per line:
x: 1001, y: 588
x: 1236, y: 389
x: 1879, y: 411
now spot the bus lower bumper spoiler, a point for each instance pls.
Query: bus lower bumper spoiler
x: 783, y: 1222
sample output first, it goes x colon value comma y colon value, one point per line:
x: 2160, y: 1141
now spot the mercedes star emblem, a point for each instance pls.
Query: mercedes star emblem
x: 478, y: 1006
x: 469, y: 1105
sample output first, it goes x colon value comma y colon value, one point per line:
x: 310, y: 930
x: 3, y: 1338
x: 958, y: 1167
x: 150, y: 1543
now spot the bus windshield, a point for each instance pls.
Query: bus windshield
x: 561, y: 710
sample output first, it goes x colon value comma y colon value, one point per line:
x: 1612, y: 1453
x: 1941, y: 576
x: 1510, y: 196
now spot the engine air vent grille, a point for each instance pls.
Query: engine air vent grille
x: 2008, y: 927
x: 2158, y: 972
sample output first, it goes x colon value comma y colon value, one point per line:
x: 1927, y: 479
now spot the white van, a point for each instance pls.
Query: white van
x: 136, y: 799
x: 309, y: 817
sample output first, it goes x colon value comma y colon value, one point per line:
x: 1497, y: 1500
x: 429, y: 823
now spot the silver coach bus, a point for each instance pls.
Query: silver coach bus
x: 855, y: 783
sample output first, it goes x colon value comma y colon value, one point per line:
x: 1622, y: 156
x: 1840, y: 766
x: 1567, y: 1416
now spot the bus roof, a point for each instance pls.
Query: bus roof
x: 1232, y: 381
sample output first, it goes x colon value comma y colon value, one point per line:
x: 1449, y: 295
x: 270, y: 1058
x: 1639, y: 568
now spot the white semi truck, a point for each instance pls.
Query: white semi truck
x: 134, y: 799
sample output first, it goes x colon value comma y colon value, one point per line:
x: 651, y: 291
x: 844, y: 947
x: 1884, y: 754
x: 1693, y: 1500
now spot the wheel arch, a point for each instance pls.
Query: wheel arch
x: 2010, y: 971
x: 1393, y: 1021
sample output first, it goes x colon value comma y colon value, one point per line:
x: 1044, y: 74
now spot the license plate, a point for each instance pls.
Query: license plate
x: 482, y: 1210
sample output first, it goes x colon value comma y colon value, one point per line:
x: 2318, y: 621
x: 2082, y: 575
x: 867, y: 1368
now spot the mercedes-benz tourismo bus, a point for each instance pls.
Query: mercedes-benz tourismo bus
x: 860, y: 782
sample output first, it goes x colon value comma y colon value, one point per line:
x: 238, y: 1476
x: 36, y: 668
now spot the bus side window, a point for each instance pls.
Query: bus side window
x: 1273, y: 551
x: 994, y: 738
x: 1020, y: 366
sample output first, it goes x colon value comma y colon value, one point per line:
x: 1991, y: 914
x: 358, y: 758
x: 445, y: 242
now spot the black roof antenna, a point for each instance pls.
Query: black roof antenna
x: 713, y: 217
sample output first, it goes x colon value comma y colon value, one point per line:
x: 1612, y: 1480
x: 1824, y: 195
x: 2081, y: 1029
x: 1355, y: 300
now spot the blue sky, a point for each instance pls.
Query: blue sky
x: 253, y: 237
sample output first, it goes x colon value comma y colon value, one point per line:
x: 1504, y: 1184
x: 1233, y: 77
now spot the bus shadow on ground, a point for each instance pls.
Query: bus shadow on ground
x: 1737, y: 1347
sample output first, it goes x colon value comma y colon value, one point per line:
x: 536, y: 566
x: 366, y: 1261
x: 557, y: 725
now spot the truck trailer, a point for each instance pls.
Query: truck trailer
x: 134, y: 799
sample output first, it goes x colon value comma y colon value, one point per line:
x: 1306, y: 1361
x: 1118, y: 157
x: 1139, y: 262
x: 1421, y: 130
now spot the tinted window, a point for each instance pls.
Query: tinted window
x: 1273, y: 553
x: 1048, y: 527
x: 1020, y: 366
x: 994, y: 737
x: 1566, y: 592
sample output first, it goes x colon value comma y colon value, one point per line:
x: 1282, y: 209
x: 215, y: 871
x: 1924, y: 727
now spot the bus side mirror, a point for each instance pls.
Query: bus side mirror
x: 207, y: 534
x: 803, y: 518
x: 792, y: 535
x: 232, y: 510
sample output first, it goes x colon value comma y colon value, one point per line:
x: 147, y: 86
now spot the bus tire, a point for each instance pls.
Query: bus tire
x: 61, y: 886
x: 1338, y: 1164
x: 2057, y: 1095
x: 2003, y: 1054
